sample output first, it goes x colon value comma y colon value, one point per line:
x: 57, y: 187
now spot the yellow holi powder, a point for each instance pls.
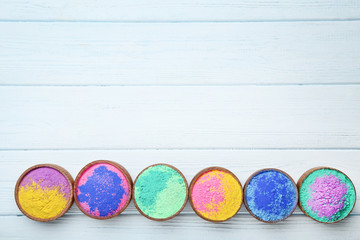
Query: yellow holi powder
x: 40, y: 202
x: 217, y: 195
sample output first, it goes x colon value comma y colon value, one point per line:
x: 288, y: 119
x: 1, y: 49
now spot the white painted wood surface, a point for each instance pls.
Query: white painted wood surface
x: 180, y: 117
x: 179, y: 53
x: 239, y: 84
x: 186, y: 10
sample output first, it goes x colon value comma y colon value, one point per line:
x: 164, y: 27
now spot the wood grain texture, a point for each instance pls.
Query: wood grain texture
x: 183, y: 226
x: 243, y: 85
x: 171, y: 117
x: 179, y: 53
x: 186, y: 10
x: 242, y: 162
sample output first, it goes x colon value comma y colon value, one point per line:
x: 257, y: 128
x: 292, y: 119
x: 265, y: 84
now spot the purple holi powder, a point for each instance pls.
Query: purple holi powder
x: 48, y: 178
x: 327, y: 196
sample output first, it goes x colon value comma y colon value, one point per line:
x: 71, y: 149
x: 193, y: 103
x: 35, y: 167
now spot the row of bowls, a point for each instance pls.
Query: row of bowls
x: 103, y: 189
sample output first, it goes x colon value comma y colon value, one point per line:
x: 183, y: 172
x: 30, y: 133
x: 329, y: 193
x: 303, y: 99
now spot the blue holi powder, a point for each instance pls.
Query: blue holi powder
x: 271, y: 195
x: 102, y: 191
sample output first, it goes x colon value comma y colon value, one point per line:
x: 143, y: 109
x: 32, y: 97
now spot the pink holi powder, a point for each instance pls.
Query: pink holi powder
x: 86, y: 207
x: 208, y: 191
x: 89, y: 172
x: 327, y: 196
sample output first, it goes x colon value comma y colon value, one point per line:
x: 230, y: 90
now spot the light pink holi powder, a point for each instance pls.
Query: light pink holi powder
x: 207, y: 192
x: 97, y: 213
x: 85, y: 206
x: 327, y: 196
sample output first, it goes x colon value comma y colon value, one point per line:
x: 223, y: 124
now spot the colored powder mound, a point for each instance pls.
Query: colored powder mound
x: 271, y: 196
x: 327, y: 195
x: 160, y: 192
x: 216, y: 195
x: 102, y: 190
x: 44, y: 193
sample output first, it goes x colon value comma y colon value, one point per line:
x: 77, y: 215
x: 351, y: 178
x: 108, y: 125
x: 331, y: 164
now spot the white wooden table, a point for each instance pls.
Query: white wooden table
x: 194, y: 83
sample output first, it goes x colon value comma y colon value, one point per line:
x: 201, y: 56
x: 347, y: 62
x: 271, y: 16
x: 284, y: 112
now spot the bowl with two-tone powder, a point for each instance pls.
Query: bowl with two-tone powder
x: 44, y: 192
x: 215, y: 194
x: 160, y: 192
x: 327, y: 195
x: 103, y: 189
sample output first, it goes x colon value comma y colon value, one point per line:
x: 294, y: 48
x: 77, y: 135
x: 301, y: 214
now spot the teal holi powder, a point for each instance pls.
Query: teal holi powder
x: 327, y: 195
x: 160, y: 192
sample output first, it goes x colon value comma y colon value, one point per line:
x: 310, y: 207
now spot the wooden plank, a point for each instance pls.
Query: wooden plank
x: 241, y: 162
x: 180, y: 117
x: 179, y: 53
x: 186, y: 10
x: 183, y: 226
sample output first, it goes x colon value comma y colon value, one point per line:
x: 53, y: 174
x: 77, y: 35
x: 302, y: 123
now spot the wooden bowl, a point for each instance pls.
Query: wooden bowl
x: 180, y: 209
x: 63, y: 172
x: 193, y: 182
x: 121, y: 169
x: 302, y: 179
x: 245, y: 190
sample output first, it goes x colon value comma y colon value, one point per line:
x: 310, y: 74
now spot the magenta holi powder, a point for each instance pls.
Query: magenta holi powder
x: 327, y: 195
x: 202, y: 195
x: 327, y: 200
x: 103, y: 189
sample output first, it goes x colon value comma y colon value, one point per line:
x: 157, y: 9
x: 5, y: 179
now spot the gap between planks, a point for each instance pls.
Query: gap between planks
x: 178, y: 149
x: 180, y: 21
x: 187, y: 85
